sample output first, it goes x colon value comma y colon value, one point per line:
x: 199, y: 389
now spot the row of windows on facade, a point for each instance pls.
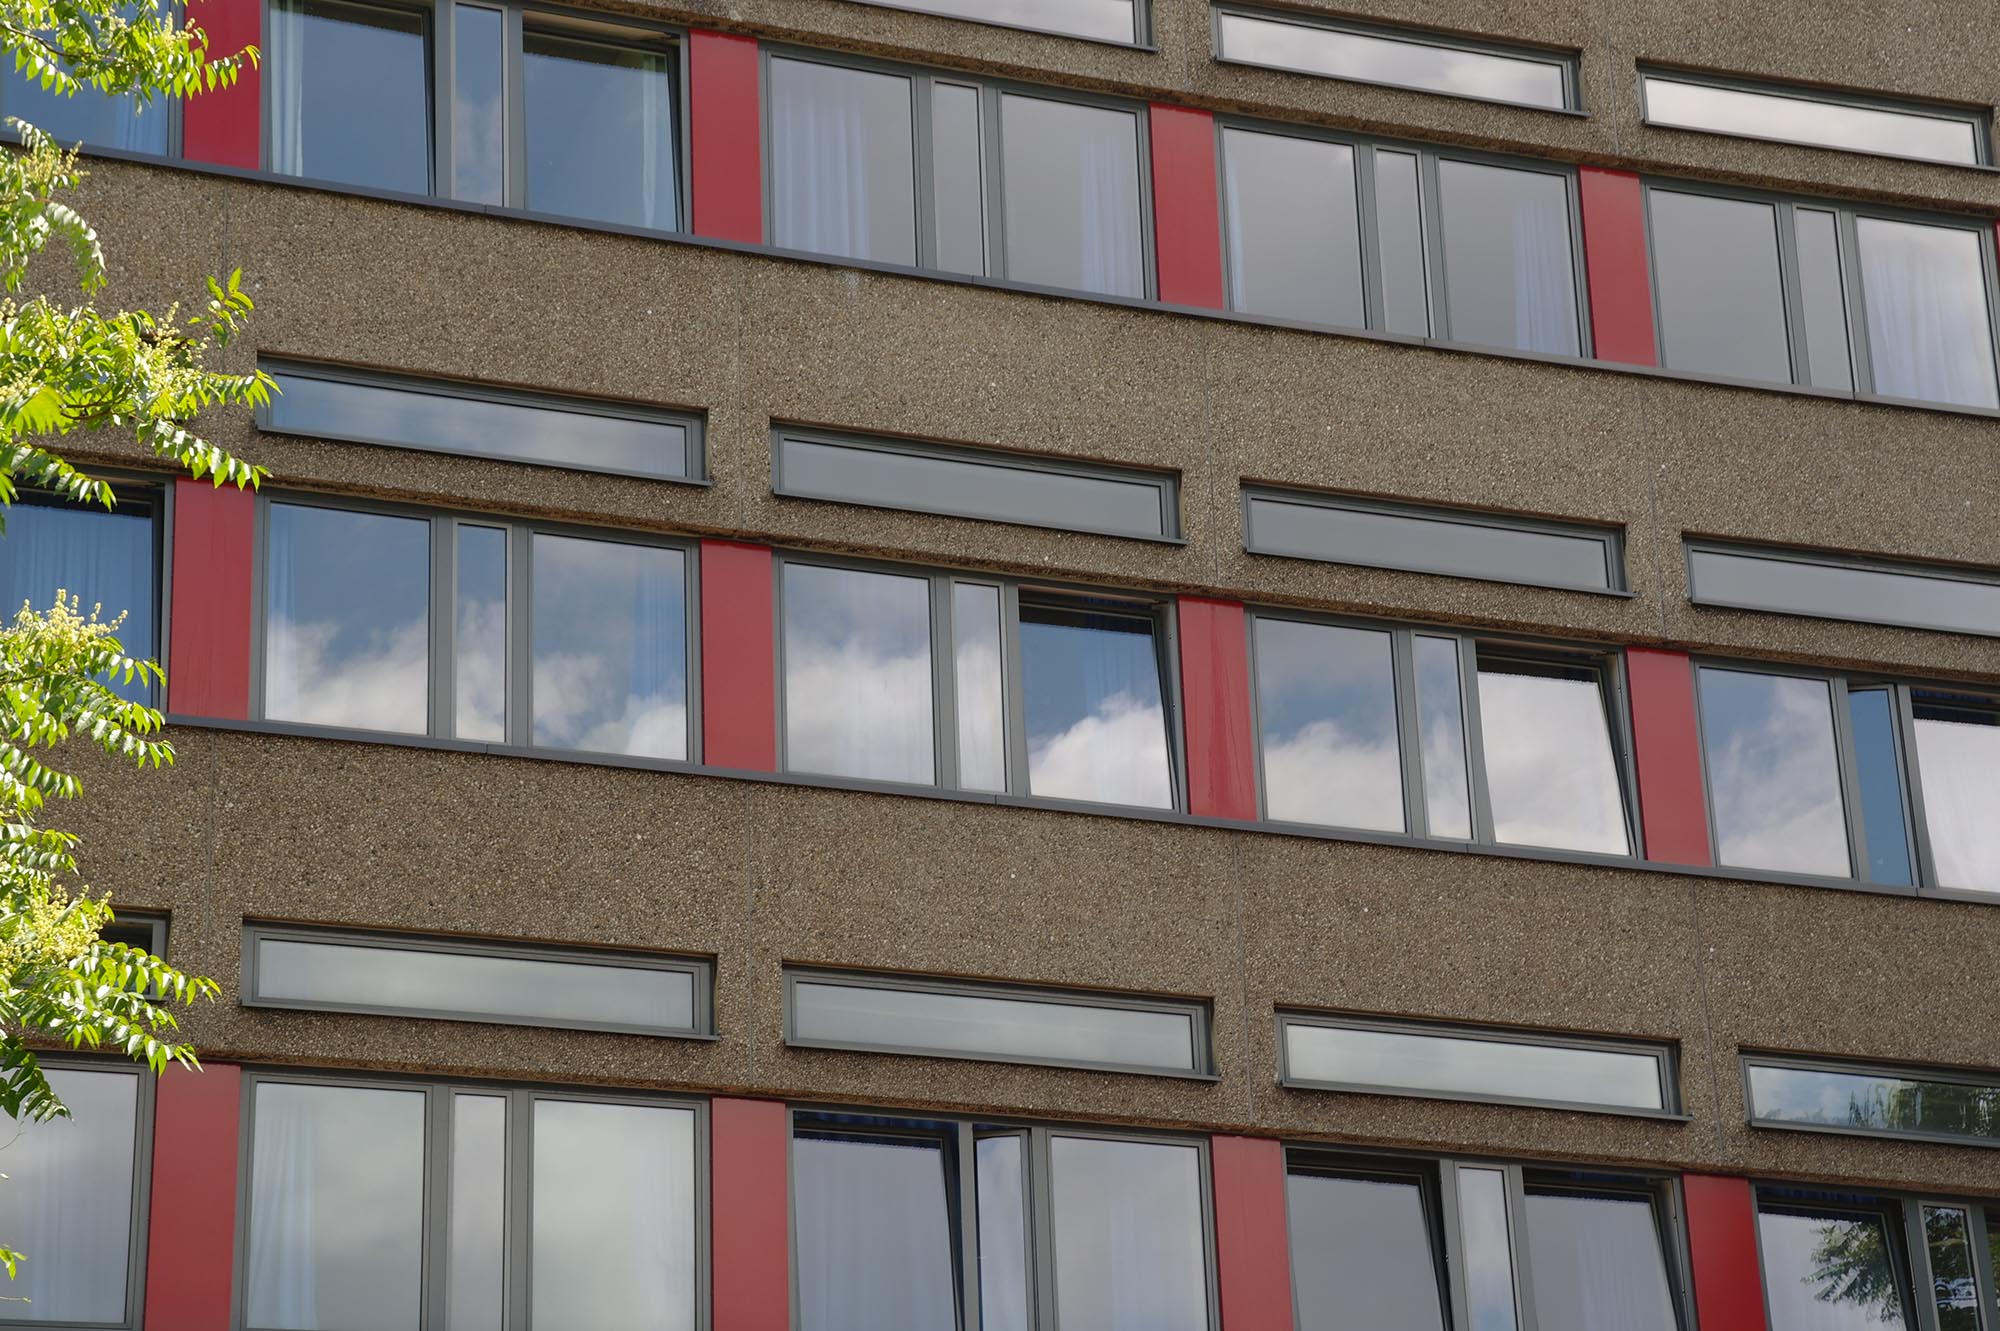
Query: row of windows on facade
x: 378, y: 1205
x: 476, y: 629
x: 959, y: 175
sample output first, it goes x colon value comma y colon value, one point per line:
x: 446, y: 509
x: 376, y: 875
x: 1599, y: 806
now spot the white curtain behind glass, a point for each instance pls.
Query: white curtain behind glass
x: 656, y: 132
x: 67, y: 1200
x: 1109, y: 220
x: 874, y: 1239
x: 1925, y: 291
x: 820, y: 148
x: 285, y: 53
x: 1544, y: 292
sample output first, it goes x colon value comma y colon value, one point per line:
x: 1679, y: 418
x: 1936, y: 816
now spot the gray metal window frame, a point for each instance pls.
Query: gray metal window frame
x: 1612, y: 690
x: 1159, y: 609
x: 1751, y: 1058
x: 438, y: 1092
x: 992, y: 173
x: 1142, y: 23
x: 700, y: 970
x: 1854, y: 296
x: 1166, y: 483
x: 1665, y: 1055
x: 1693, y: 545
x: 1923, y: 864
x: 1437, y: 1178
x: 1197, y: 1011
x: 694, y: 422
x: 1611, y: 539
x: 1564, y: 61
x: 441, y: 599
x: 601, y: 25
x: 1901, y: 1214
x: 960, y: 1135
x: 1981, y: 121
x: 1428, y: 155
x: 147, y: 929
x: 142, y: 1190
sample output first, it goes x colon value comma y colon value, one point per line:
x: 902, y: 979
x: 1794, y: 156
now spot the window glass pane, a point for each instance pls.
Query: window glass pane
x: 1924, y: 288
x: 956, y: 179
x: 1771, y: 115
x: 1722, y: 299
x: 322, y: 1158
x: 843, y: 162
x: 610, y: 647
x: 1489, y: 1263
x: 1361, y: 1254
x: 1090, y: 683
x: 1597, y: 1262
x: 100, y: 120
x: 479, y: 671
x: 1878, y: 1101
x: 1509, y: 280
x: 1070, y: 196
x: 982, y: 745
x: 600, y: 130
x: 1003, y: 1234
x: 873, y: 1231
x: 475, y: 1276
x: 1874, y: 726
x: 1773, y: 777
x: 858, y: 674
x: 1107, y: 20
x: 1326, y: 710
x: 66, y: 1202
x: 1954, y: 1288
x: 1441, y: 719
x: 613, y: 1221
x: 478, y: 109
x: 1829, y: 1270
x: 1405, y: 62
x: 1958, y: 759
x: 1550, y: 771
x: 1467, y: 1065
x: 347, y: 620
x: 1399, y: 235
x: 350, y: 94
x: 1294, y: 232
x: 1823, y: 296
x: 101, y: 559
x: 1130, y: 1254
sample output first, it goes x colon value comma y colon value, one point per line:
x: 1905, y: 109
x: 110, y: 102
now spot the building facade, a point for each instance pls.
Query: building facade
x: 1061, y: 665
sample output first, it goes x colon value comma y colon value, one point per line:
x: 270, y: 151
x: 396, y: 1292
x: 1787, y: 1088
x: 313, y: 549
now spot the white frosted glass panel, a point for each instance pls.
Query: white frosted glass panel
x: 1405, y: 62
x: 1105, y: 20
x: 1769, y: 115
x: 1466, y: 1065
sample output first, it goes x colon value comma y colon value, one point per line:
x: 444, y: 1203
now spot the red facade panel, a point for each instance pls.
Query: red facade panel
x: 191, y: 1232
x: 222, y: 127
x: 1614, y: 250
x: 739, y: 709
x: 1252, y: 1254
x: 1187, y: 217
x: 1215, y: 709
x: 1666, y: 743
x: 725, y: 155
x: 750, y: 1220
x: 1722, y: 1249
x: 209, y: 651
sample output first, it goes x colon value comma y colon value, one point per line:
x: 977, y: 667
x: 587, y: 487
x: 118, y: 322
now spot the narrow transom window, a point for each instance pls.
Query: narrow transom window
x: 1872, y: 1099
x: 1855, y: 123
x: 1120, y: 21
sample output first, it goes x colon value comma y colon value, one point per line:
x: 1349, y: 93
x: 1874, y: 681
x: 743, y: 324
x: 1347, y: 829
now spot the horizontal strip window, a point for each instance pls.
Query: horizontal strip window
x: 398, y: 1203
x: 976, y: 483
x: 1385, y: 1057
x: 1120, y: 21
x: 1397, y: 57
x: 452, y: 979
x: 1873, y: 1099
x: 913, y: 1225
x: 1799, y: 582
x: 401, y: 411
x: 1342, y: 529
x: 1006, y: 1023
x: 1884, y: 1262
x: 1817, y: 119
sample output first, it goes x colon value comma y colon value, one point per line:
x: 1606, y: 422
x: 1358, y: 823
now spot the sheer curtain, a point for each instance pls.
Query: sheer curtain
x: 1108, y: 221
x: 820, y: 149
x: 1925, y: 291
x: 285, y: 51
x: 284, y: 1207
x: 874, y: 1235
x: 1544, y: 277
x: 66, y: 1200
x: 656, y: 207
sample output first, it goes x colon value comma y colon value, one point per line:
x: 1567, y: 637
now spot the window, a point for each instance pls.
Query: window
x: 973, y: 684
x: 1833, y: 1261
x: 1005, y: 1023
x: 904, y: 167
x: 89, y: 117
x: 1398, y: 730
x: 1367, y: 1054
x: 566, y: 116
x: 1819, y: 119
x: 559, y: 1210
x: 997, y: 1194
x: 1794, y: 291
x: 1397, y: 57
x: 551, y: 639
x: 1799, y: 582
x: 1350, y: 234
x: 467, y: 980
x: 1121, y: 21
x: 1873, y: 1100
x: 1388, y: 1243
x: 74, y: 1199
x: 104, y: 560
x: 365, y: 406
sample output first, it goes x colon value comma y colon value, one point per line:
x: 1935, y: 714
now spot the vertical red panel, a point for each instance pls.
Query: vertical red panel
x: 1187, y: 225
x: 1666, y: 742
x: 726, y: 166
x: 209, y: 651
x: 739, y: 709
x: 1722, y: 1248
x: 1215, y: 708
x: 1253, y: 1257
x: 191, y: 1232
x: 1614, y: 250
x: 750, y: 1215
x: 221, y: 127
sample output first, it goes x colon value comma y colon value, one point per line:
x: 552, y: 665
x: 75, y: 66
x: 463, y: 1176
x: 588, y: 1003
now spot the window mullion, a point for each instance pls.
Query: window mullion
x: 1793, y: 291
x: 1369, y: 221
x: 1923, y: 865
x: 520, y: 645
x: 966, y: 1212
x: 944, y: 682
x: 515, y: 1189
x: 1517, y: 1246
x: 443, y: 627
x: 1857, y: 310
x: 991, y: 182
x: 1041, y: 1229
x: 1850, y: 781
x: 1015, y: 716
x: 513, y: 96
x: 443, y: 98
x: 437, y: 1205
x: 1475, y: 741
x: 1409, y: 732
x: 1921, y: 1281
x: 922, y: 179
x: 1429, y: 209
